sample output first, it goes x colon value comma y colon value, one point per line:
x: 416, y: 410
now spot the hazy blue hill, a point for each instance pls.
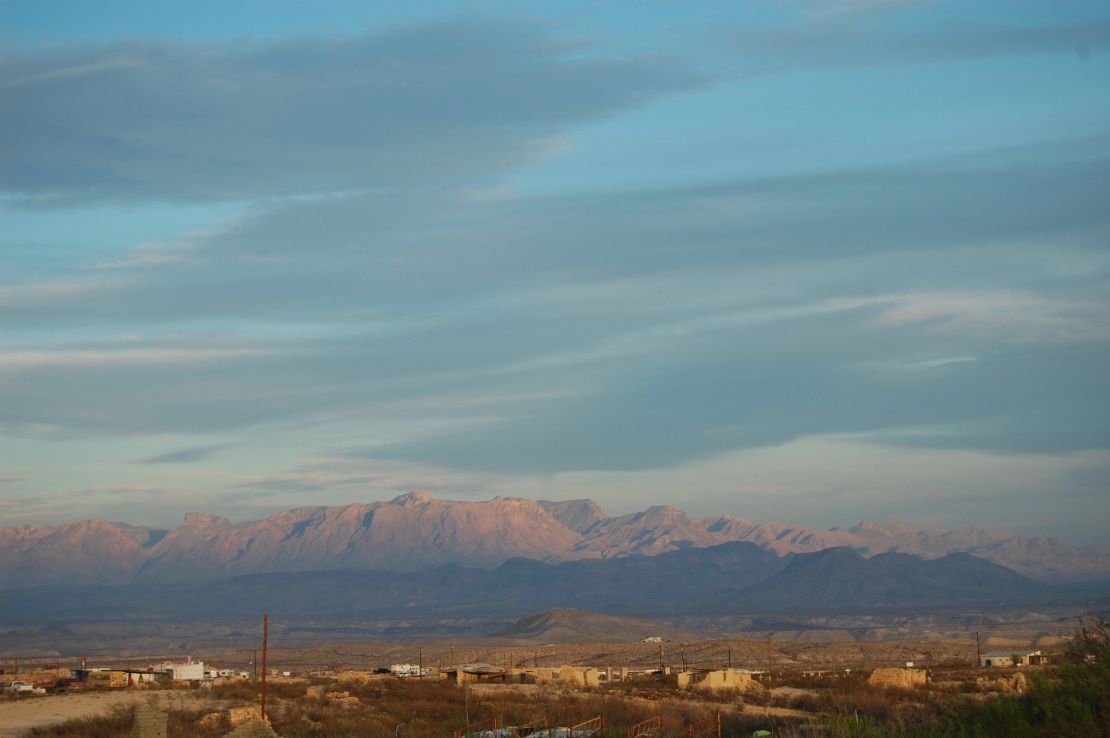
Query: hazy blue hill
x: 839, y: 578
x: 731, y: 578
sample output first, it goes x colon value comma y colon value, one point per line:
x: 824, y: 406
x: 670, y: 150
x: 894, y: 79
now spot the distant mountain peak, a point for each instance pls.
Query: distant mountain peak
x: 415, y: 497
x: 416, y: 530
x: 204, y: 520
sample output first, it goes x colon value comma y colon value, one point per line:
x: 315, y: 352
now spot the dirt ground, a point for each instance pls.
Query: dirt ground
x: 714, y: 654
x: 768, y: 710
x: 17, y: 717
x: 711, y: 653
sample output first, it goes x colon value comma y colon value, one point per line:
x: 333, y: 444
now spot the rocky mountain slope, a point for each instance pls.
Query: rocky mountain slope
x: 416, y: 531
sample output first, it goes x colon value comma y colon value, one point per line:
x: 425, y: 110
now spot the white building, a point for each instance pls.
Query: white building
x: 185, y: 672
x: 1012, y: 658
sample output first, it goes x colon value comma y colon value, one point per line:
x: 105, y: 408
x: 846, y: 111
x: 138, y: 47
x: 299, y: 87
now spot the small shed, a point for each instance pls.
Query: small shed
x: 473, y: 673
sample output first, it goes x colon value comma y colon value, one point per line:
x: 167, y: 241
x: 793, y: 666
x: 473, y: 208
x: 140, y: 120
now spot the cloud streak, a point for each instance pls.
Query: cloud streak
x: 848, y: 45
x: 415, y: 106
x: 185, y: 455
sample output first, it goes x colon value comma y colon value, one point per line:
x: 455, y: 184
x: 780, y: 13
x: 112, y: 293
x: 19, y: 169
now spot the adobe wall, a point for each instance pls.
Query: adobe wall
x: 572, y: 675
x: 900, y: 678
x: 714, y: 680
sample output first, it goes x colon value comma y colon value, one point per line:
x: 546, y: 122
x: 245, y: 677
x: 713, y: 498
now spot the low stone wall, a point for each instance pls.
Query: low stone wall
x: 149, y: 723
x: 255, y: 728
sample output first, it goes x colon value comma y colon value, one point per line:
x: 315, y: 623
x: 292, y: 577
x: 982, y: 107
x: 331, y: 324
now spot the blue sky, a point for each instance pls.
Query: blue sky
x: 815, y: 261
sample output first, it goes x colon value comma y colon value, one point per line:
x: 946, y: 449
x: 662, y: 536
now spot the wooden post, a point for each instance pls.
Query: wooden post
x: 265, y: 653
x: 978, y: 655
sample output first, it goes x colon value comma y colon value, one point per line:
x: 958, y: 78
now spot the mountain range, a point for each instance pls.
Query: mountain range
x: 731, y: 578
x: 417, y: 532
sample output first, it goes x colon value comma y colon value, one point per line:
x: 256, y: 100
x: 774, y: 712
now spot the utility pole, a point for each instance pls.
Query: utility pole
x: 265, y: 653
x: 770, y: 660
x: 682, y: 655
x: 420, y: 661
x: 660, y: 659
x: 254, y: 665
x: 466, y: 700
x: 730, y: 657
x: 978, y: 655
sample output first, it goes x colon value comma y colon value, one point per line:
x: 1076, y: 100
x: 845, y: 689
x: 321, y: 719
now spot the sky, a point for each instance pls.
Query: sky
x: 810, y: 261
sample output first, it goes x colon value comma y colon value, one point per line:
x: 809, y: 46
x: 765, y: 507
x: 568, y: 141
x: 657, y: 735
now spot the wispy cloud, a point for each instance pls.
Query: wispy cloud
x: 713, y: 311
x: 843, y: 45
x: 185, y: 455
x: 77, y: 358
x: 433, y: 102
x: 842, y: 9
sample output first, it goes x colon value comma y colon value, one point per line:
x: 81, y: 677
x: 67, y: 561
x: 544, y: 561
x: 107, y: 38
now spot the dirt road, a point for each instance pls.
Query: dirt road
x: 19, y: 716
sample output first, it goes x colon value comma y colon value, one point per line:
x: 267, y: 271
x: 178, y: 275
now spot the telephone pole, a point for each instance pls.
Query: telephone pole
x: 265, y: 650
x: 978, y: 654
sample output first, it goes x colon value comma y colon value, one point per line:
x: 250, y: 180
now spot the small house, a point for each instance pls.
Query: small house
x: 996, y: 659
